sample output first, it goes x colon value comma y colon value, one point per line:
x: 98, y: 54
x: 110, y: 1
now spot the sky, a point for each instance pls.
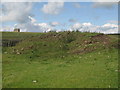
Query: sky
x: 60, y: 16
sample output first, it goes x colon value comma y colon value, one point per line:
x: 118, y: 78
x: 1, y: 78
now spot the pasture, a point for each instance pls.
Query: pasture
x: 59, y: 60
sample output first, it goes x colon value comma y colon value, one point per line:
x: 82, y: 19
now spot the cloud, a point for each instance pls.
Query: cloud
x: 53, y: 8
x: 72, y: 20
x: 113, y: 22
x: 77, y: 5
x: 6, y: 28
x: 17, y: 12
x: 87, y: 24
x: 110, y: 25
x: 59, y: 0
x: 55, y: 24
x: 107, y: 5
x: 45, y: 27
x: 106, y: 28
x: 76, y: 26
x: 32, y: 19
x: 32, y: 26
x: 104, y: 0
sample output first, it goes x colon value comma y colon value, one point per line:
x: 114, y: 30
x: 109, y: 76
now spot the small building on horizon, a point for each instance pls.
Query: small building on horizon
x: 17, y: 30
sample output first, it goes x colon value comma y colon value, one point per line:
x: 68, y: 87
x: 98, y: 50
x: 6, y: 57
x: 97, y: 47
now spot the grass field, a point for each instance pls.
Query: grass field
x: 60, y: 60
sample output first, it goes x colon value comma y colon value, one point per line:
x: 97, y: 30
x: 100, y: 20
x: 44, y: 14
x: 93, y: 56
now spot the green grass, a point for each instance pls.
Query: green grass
x: 53, y: 62
x: 19, y: 36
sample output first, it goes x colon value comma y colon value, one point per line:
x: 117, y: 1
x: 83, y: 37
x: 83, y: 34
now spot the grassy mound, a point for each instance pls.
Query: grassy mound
x: 64, y: 59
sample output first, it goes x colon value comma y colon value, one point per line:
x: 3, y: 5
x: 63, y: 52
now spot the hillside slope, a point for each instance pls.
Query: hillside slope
x: 60, y: 59
x: 67, y: 42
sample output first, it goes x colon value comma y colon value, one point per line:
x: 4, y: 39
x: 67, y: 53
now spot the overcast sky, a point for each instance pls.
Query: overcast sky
x: 59, y: 16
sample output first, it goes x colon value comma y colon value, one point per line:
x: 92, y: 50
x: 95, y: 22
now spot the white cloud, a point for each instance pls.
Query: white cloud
x: 106, y: 28
x: 17, y: 12
x: 59, y: 30
x: 6, y: 28
x: 107, y: 5
x: 32, y: 26
x: 60, y: 0
x: 87, y: 24
x: 54, y: 24
x: 104, y: 0
x: 33, y: 20
x: 113, y: 21
x: 110, y: 25
x: 44, y: 27
x: 53, y: 8
x: 76, y: 26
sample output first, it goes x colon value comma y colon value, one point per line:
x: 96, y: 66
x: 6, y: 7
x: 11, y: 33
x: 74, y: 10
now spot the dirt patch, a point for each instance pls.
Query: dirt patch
x: 93, y: 43
x: 100, y: 38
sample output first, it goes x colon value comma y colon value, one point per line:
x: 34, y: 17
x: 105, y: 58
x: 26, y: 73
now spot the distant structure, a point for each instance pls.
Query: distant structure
x: 16, y: 30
